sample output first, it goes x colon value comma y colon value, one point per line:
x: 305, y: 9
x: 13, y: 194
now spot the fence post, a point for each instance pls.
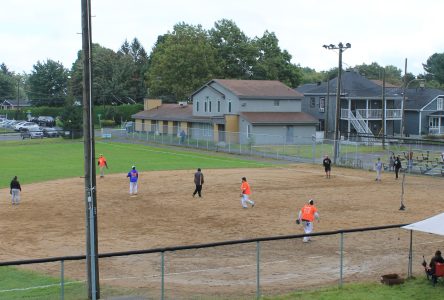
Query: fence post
x: 258, y: 284
x: 162, y: 272
x: 62, y: 279
x: 341, y: 253
x: 313, y: 148
x: 409, y: 269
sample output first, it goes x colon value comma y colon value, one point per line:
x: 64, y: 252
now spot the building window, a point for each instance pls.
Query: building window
x: 218, y: 106
x: 229, y: 106
x: 276, y: 103
x: 312, y: 102
x: 439, y: 104
x: 205, y: 106
x: 210, y: 106
x: 248, y: 131
x: 433, y: 123
x: 321, y: 104
x: 197, y: 106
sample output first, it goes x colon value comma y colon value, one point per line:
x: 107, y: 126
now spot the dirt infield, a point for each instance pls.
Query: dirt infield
x: 50, y: 221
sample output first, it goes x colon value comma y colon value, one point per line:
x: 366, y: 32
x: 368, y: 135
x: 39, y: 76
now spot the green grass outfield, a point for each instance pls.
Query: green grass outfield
x: 49, y: 159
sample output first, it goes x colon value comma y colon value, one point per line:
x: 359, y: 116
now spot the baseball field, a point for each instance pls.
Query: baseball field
x: 50, y: 220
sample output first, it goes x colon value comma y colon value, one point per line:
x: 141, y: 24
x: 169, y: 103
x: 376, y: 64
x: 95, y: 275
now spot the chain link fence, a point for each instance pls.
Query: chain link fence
x: 244, y: 269
x: 417, y: 156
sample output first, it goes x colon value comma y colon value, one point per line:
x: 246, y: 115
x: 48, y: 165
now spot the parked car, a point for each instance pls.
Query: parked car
x: 32, y: 133
x: 46, y: 121
x: 17, y: 125
x: 29, y: 125
x: 51, y: 132
x: 10, y: 123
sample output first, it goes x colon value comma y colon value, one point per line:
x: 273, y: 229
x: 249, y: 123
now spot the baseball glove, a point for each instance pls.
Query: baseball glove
x: 298, y: 221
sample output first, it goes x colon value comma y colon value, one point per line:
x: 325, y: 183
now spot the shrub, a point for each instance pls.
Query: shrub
x: 108, y: 123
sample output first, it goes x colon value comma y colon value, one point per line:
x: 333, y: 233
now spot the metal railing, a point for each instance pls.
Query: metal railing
x: 258, y: 255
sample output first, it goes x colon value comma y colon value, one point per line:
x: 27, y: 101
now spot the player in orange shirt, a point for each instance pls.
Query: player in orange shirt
x: 102, y: 164
x: 245, y: 193
x: 307, y: 215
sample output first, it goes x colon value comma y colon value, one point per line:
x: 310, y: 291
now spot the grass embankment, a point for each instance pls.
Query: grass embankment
x: 415, y: 289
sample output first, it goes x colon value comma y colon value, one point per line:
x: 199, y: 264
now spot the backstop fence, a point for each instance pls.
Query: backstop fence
x: 239, y: 269
x: 417, y: 156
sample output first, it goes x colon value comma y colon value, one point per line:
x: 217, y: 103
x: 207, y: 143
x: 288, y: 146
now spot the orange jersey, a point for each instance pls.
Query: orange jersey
x: 245, y: 188
x: 102, y: 161
x: 308, y: 212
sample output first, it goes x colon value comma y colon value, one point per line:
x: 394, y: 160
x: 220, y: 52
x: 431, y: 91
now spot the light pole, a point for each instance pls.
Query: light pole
x: 18, y: 98
x: 341, y: 49
x: 406, y: 86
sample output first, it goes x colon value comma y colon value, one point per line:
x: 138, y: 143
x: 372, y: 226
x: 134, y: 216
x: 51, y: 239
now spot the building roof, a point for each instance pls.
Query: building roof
x: 439, y: 113
x: 15, y: 102
x: 173, y: 112
x: 352, y: 85
x: 417, y: 98
x: 256, y: 89
x: 279, y: 118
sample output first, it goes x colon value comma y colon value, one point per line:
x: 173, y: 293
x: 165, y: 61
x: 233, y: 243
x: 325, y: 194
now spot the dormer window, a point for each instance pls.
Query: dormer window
x: 439, y: 104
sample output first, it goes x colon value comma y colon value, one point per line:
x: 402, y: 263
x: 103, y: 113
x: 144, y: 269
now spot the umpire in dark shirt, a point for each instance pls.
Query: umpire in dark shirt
x: 198, y: 181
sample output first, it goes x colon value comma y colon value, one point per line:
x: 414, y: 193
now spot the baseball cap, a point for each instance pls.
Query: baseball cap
x: 133, y: 167
x: 311, y: 201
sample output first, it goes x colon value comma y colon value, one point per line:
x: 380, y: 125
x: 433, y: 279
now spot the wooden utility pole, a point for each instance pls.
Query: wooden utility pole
x: 327, y: 110
x: 92, y: 261
x: 383, y: 109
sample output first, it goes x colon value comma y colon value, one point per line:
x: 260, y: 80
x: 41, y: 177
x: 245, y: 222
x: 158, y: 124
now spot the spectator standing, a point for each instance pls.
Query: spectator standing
x: 327, y: 166
x: 198, y: 181
x: 378, y: 168
x: 391, y: 162
x: 15, y: 191
x: 133, y: 175
x: 182, y: 135
x: 397, y: 165
x: 307, y: 215
x: 102, y: 164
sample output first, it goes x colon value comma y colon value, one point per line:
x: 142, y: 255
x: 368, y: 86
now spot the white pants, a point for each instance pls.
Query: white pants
x: 15, y: 196
x: 308, y: 228
x: 245, y: 199
x: 378, y: 175
x: 102, y: 172
x: 133, y: 188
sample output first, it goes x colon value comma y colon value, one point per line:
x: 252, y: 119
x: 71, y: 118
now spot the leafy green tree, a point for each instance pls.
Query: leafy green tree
x: 434, y: 67
x: 375, y: 71
x: 181, y: 62
x: 105, y: 86
x: 72, y: 118
x: 273, y: 63
x: 4, y: 69
x: 235, y: 51
x: 132, y: 65
x: 48, y: 83
x: 7, y: 87
x: 309, y: 75
x: 117, y: 78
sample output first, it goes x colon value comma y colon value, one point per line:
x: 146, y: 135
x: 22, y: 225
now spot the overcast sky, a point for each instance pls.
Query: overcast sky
x: 382, y: 31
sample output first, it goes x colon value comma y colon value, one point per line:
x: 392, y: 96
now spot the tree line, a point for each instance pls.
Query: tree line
x: 179, y: 63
